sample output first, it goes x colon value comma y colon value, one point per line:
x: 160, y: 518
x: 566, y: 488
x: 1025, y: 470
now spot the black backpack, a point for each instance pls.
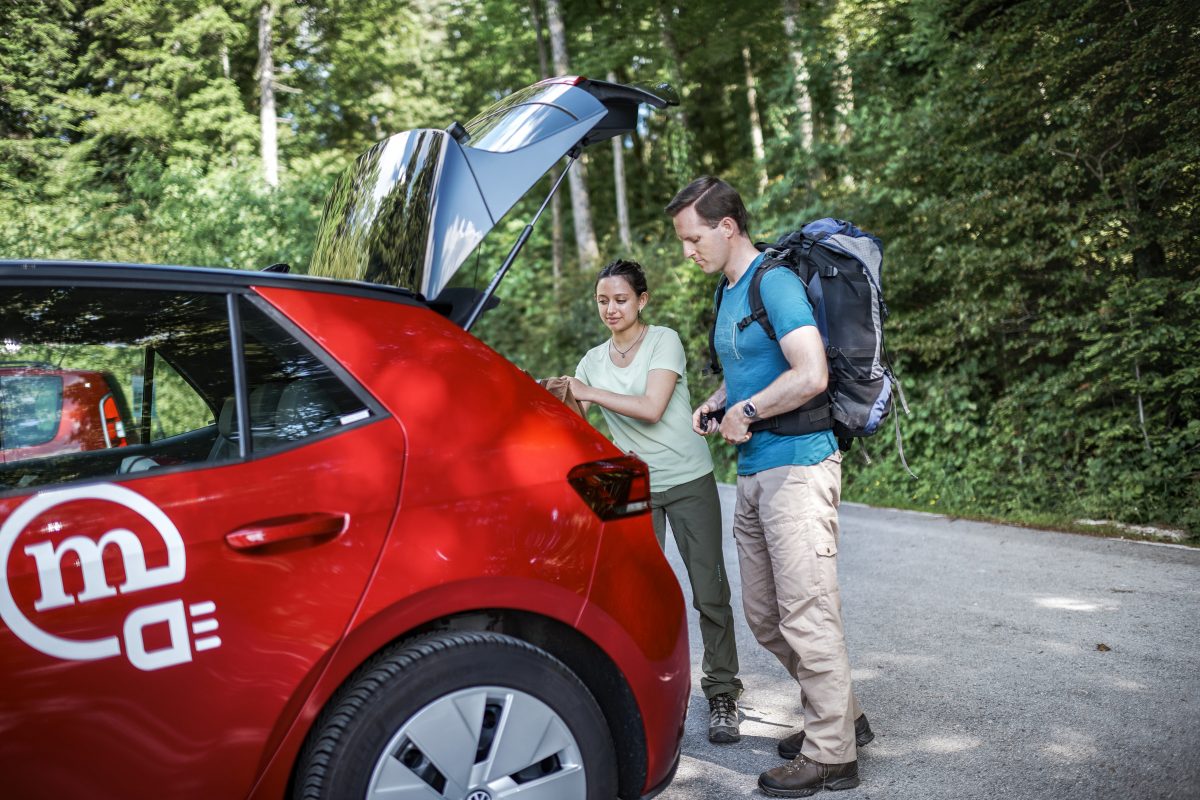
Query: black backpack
x: 840, y: 266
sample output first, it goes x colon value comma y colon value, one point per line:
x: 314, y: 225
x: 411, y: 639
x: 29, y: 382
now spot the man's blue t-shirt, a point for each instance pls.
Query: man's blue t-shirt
x: 752, y: 362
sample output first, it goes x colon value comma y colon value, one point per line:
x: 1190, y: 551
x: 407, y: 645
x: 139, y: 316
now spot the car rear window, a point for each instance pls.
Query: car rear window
x: 517, y: 126
x: 30, y: 409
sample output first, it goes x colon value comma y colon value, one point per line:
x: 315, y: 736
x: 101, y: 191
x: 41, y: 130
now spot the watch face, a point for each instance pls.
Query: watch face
x: 749, y: 410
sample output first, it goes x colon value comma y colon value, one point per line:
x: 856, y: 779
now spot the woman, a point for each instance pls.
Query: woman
x: 638, y: 378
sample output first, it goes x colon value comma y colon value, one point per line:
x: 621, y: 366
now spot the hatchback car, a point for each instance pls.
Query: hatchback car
x: 348, y: 550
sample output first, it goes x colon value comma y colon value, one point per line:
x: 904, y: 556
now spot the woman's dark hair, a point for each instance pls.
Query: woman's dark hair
x: 630, y: 271
x: 714, y: 200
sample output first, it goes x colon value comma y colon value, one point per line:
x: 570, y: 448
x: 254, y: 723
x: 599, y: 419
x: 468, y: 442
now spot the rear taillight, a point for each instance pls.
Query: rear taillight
x: 114, y: 429
x: 614, y: 487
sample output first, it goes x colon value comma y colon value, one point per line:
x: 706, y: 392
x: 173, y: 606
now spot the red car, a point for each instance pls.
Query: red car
x: 348, y: 549
x: 46, y: 410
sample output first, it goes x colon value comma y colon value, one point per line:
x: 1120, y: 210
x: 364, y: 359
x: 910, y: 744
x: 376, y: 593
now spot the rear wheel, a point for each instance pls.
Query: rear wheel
x: 468, y: 716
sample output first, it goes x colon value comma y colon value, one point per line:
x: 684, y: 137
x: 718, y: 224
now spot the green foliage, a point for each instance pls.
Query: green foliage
x: 183, y: 214
x: 1043, y: 262
x: 36, y: 50
x: 1031, y: 167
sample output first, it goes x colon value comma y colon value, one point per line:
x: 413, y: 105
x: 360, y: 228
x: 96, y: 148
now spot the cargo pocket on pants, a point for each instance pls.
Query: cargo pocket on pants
x: 826, y: 551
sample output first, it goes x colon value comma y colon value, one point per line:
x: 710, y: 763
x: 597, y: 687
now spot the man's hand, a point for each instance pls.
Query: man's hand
x: 713, y: 405
x: 735, y: 428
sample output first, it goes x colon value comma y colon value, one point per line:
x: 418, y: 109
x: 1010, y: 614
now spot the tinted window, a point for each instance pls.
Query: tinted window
x: 376, y: 222
x: 103, y: 382
x: 293, y: 394
x: 177, y: 407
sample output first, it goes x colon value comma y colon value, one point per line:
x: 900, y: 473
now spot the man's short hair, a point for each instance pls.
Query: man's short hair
x: 714, y: 199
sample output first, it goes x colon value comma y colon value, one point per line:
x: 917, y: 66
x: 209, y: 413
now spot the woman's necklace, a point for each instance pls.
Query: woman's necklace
x: 622, y: 353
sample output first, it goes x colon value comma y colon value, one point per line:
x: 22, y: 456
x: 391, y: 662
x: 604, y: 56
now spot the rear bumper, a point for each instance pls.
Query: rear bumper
x: 662, y: 785
x: 636, y: 608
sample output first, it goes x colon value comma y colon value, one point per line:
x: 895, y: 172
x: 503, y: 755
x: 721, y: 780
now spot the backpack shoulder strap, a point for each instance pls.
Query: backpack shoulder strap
x: 714, y: 363
x: 758, y: 312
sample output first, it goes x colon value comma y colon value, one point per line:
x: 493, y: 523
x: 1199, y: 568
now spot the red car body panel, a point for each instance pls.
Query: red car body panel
x: 199, y: 727
x: 651, y: 648
x: 529, y: 541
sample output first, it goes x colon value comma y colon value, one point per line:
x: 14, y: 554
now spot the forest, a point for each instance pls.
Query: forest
x: 1030, y: 165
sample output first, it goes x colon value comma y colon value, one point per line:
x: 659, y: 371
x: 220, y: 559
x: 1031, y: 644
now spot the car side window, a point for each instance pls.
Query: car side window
x: 30, y: 406
x: 177, y: 408
x: 98, y: 382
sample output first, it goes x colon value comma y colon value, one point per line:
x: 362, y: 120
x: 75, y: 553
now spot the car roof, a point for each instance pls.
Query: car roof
x: 33, y: 271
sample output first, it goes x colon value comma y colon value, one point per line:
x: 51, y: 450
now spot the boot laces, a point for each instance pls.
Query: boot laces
x: 723, y: 710
x: 797, y: 764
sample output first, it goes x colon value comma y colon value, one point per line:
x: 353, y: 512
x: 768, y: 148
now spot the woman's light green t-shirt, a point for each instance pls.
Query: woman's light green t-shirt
x: 676, y: 454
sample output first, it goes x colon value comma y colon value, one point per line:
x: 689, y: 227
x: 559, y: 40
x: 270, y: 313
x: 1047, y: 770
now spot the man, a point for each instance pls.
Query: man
x: 788, y: 490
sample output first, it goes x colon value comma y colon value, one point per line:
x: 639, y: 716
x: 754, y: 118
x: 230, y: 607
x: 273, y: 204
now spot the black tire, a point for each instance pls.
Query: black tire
x: 434, y: 693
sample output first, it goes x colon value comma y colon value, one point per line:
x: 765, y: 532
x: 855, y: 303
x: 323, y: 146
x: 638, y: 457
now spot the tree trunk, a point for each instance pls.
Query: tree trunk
x: 557, y: 245
x: 804, y: 108
x: 643, y: 153
x: 674, y: 59
x: 618, y: 148
x: 556, y: 228
x: 844, y: 99
x: 679, y: 139
x: 581, y: 211
x: 756, y: 133
x: 266, y: 85
x: 845, y: 90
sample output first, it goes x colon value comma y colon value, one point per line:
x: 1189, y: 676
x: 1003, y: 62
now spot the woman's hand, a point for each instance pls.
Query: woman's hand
x: 579, y: 389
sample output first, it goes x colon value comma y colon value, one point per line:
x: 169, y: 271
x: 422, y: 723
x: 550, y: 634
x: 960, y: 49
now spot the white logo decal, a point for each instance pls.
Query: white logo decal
x: 49, y: 561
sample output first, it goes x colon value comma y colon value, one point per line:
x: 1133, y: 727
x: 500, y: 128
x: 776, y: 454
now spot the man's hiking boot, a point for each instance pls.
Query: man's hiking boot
x: 723, y: 719
x: 789, y: 746
x: 802, y: 776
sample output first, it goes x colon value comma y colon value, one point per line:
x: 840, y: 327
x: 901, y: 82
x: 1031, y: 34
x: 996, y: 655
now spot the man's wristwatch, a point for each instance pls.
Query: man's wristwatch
x: 749, y: 410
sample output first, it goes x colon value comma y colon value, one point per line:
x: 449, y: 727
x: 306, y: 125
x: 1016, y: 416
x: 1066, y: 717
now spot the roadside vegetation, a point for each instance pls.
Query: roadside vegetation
x: 1031, y: 167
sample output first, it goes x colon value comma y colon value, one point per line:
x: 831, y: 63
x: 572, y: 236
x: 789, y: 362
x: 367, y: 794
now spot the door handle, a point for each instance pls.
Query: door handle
x: 316, y: 526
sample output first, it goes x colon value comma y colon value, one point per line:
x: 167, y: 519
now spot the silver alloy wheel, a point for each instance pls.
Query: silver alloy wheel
x: 481, y: 743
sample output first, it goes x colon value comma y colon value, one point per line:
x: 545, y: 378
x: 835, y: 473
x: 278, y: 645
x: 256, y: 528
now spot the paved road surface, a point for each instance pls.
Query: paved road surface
x: 979, y: 656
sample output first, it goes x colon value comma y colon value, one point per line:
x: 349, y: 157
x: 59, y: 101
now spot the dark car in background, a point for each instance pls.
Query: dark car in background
x: 337, y: 547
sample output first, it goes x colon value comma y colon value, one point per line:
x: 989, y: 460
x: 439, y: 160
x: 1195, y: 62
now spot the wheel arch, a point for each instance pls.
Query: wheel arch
x: 587, y: 660
x: 590, y: 664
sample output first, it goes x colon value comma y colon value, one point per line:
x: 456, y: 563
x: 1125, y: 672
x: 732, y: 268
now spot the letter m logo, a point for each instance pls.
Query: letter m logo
x: 90, y: 553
